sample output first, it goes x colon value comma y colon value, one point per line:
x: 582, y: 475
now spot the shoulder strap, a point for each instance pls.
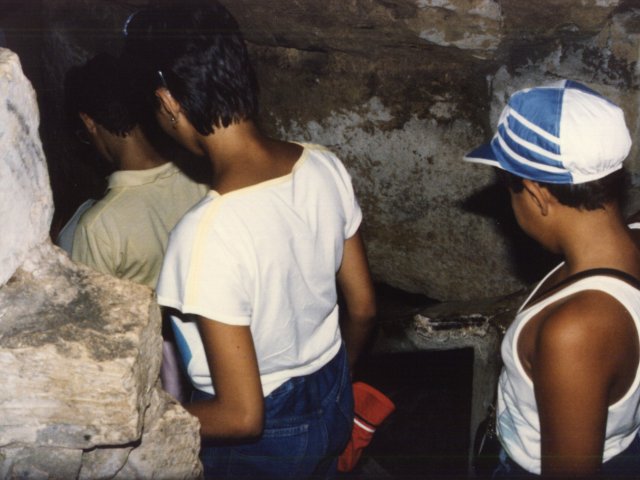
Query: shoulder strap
x: 611, y: 272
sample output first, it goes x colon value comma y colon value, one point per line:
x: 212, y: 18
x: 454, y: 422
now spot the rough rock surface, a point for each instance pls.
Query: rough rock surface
x: 80, y: 352
x: 401, y: 89
x: 25, y: 196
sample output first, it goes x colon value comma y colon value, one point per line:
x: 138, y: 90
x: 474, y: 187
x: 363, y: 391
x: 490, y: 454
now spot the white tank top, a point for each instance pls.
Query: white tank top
x: 518, y: 424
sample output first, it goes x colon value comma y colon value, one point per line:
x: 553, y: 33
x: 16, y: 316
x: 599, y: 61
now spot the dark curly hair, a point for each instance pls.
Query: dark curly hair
x: 582, y: 196
x: 100, y: 89
x: 197, y: 53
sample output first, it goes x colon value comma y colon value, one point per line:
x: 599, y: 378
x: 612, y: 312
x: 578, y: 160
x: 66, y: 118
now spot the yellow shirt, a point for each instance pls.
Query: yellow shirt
x: 125, y: 234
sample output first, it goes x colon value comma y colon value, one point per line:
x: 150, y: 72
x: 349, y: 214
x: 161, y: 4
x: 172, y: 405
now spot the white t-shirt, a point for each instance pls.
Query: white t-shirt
x: 265, y: 256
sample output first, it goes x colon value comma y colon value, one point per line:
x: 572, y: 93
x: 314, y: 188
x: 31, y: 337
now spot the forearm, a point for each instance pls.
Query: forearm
x: 570, y: 456
x: 237, y: 410
x: 220, y: 421
x: 356, y: 332
x: 354, y: 279
x: 576, y: 468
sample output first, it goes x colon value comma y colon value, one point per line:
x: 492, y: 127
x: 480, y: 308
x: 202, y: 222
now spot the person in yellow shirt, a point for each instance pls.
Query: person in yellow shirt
x: 125, y: 233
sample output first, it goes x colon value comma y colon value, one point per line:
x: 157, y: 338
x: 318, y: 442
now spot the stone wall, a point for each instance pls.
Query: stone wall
x: 80, y: 352
x: 401, y: 89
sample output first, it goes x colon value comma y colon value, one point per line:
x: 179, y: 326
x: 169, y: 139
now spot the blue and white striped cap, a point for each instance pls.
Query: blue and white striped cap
x: 559, y: 133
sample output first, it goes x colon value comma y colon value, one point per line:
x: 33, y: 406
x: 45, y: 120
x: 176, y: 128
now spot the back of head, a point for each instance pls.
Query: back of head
x: 199, y: 54
x: 100, y: 89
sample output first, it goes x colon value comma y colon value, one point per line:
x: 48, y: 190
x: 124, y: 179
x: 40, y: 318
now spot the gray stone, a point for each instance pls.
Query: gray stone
x: 80, y: 354
x: 26, y: 206
x: 83, y: 351
x: 170, y: 443
x: 35, y: 462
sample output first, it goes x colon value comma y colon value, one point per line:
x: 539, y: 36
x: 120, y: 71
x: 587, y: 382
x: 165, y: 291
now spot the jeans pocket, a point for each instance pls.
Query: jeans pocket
x: 281, y: 453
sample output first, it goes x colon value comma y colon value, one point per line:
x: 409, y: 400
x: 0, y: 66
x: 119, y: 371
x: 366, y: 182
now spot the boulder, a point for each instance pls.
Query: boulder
x: 80, y: 351
x: 26, y: 206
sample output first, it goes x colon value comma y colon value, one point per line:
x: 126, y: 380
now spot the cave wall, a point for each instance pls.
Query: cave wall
x: 400, y: 89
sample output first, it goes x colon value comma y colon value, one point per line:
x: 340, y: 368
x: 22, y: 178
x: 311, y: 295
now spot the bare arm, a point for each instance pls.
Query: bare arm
x: 578, y: 357
x: 354, y: 279
x: 237, y: 411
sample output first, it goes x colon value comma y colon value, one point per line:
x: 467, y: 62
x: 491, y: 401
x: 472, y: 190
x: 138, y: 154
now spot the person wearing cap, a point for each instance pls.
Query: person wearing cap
x: 252, y: 270
x: 569, y: 390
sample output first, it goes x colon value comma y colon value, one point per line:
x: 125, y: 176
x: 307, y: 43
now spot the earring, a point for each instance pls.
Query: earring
x: 173, y: 121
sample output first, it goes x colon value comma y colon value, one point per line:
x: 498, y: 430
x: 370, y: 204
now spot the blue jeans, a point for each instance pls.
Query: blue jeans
x: 308, y: 422
x: 625, y: 465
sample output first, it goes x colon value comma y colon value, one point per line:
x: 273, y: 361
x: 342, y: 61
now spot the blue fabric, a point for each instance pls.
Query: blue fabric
x: 308, y: 422
x: 531, y: 136
x: 625, y: 465
x: 542, y: 107
x: 528, y: 104
x: 182, y: 344
x: 514, y: 166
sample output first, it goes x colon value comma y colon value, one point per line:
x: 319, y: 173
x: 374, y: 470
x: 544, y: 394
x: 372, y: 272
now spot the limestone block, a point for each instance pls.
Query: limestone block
x: 26, y: 206
x: 37, y: 462
x: 79, y: 355
x: 103, y: 462
x: 168, y: 449
x: 168, y: 428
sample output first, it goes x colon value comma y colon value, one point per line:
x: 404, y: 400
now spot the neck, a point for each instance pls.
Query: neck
x: 242, y: 156
x: 597, y: 238
x: 226, y: 145
x: 137, y: 153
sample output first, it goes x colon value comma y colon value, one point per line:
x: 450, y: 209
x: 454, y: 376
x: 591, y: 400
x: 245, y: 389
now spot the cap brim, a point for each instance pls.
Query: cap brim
x: 483, y: 154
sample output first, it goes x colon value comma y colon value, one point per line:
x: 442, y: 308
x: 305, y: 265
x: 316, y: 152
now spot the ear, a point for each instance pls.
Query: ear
x: 539, y: 195
x: 167, y: 103
x: 88, y: 123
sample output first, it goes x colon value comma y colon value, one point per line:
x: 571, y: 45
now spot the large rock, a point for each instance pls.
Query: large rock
x: 80, y: 352
x: 26, y: 207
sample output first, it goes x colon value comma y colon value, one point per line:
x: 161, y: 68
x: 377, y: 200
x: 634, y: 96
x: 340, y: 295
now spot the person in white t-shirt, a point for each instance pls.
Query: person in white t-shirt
x: 251, y: 271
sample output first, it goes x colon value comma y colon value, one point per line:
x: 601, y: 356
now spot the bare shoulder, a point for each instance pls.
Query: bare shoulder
x: 587, y: 313
x: 590, y: 325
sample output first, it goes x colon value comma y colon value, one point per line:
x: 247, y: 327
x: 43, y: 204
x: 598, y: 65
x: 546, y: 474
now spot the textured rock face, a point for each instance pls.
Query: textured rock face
x: 80, y: 352
x: 401, y: 89
x: 25, y: 196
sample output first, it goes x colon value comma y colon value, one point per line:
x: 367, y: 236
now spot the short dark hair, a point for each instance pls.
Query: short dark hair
x: 100, y: 89
x: 582, y: 196
x: 198, y: 53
